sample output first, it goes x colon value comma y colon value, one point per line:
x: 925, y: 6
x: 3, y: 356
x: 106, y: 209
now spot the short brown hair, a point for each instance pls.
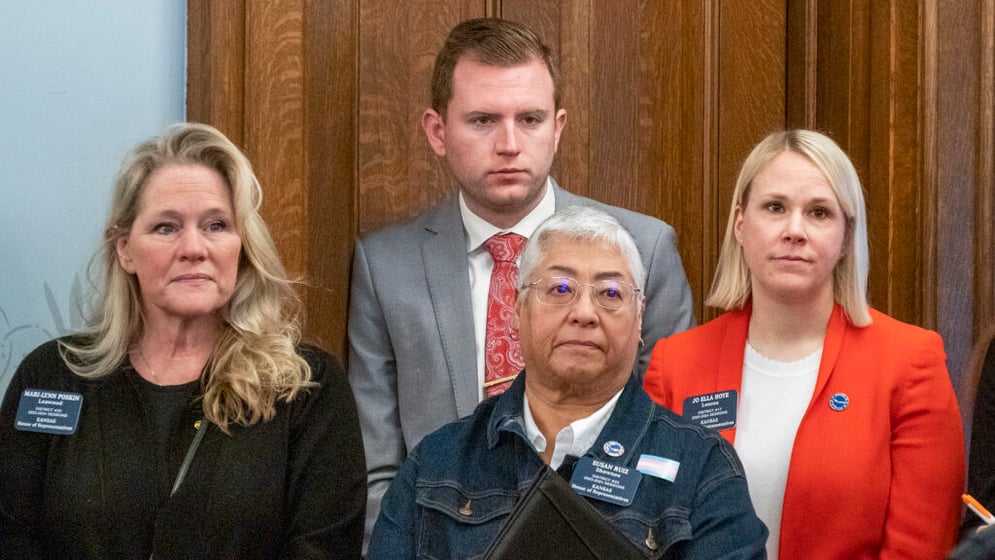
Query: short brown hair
x: 491, y: 41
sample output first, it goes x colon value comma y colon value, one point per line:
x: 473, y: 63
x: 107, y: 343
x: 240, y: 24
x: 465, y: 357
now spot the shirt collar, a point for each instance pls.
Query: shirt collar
x: 576, y: 438
x: 626, y: 424
x: 479, y: 230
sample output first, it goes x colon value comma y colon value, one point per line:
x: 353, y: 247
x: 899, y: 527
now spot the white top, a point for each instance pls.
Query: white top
x: 575, y: 439
x: 480, y: 263
x: 772, y: 401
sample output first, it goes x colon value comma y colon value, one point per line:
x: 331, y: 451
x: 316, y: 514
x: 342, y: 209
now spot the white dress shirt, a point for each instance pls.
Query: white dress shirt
x: 481, y: 264
x: 574, y: 439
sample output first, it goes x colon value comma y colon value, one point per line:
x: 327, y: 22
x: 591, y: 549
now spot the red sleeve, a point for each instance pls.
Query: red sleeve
x: 927, y: 448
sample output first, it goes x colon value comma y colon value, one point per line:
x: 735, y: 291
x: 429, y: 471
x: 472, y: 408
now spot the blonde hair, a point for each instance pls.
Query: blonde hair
x: 731, y: 286
x: 255, y: 360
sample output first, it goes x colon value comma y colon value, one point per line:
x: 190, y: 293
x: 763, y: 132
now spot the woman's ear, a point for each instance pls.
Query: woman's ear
x: 123, y: 254
x: 737, y: 224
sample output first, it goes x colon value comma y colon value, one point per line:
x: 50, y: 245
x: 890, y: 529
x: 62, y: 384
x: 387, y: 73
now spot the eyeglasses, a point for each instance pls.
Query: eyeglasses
x: 560, y: 290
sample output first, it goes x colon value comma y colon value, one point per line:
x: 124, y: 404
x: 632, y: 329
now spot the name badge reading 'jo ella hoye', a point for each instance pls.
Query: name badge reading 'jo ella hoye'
x: 712, y: 410
x: 48, y: 412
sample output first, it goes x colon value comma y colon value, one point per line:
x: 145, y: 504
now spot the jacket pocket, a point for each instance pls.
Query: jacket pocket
x: 456, y: 523
x: 662, y: 536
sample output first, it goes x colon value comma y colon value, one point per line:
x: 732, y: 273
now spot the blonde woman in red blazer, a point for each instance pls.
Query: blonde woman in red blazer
x: 868, y: 460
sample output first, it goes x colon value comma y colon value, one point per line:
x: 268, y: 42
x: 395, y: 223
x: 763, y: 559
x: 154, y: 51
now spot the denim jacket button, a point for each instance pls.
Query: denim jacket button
x: 650, y: 541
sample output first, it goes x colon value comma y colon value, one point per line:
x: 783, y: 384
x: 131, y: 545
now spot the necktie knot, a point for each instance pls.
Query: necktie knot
x: 505, y: 247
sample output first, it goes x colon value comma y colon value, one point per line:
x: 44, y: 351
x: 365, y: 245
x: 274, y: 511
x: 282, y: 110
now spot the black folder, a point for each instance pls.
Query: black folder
x: 553, y: 521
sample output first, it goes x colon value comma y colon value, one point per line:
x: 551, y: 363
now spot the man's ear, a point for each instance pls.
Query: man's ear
x: 435, y: 130
x: 559, y: 123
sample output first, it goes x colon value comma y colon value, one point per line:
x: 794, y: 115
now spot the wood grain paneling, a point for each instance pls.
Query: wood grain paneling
x: 959, y: 56
x: 274, y: 123
x: 216, y: 65
x: 891, y: 88
x: 664, y: 100
x: 399, y: 175
x: 984, y: 254
x: 330, y: 59
x: 751, y: 94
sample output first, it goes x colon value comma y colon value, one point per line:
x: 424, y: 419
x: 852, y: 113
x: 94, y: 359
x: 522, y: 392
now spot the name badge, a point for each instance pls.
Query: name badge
x: 605, y: 481
x: 713, y: 410
x: 48, y: 412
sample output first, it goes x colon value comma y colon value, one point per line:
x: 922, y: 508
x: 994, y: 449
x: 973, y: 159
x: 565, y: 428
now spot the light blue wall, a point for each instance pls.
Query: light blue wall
x: 80, y: 84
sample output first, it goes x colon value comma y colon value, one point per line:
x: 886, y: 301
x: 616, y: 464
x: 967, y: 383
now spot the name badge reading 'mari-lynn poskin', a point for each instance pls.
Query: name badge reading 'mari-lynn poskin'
x: 48, y: 412
x: 712, y: 410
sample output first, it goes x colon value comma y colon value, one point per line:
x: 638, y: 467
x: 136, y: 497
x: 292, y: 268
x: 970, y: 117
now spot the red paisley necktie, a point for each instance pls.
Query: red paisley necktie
x: 502, y: 353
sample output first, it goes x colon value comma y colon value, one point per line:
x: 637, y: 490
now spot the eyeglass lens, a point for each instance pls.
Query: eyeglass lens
x: 611, y: 294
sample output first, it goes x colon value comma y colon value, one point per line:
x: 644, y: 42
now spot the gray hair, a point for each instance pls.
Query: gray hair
x: 582, y: 223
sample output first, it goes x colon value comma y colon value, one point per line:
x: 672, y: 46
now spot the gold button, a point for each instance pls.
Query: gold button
x: 650, y: 541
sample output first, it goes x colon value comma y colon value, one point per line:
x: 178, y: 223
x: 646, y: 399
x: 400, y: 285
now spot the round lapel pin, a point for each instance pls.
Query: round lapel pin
x: 839, y: 402
x: 614, y: 449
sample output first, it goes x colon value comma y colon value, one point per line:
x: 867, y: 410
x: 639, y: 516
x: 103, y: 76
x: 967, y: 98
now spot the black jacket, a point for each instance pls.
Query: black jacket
x: 293, y: 487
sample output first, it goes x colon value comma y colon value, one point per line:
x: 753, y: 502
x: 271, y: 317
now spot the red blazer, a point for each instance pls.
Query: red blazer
x: 879, y: 479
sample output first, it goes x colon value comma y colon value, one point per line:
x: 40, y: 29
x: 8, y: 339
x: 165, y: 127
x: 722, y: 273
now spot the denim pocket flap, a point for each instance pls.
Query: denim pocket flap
x: 465, y: 507
x: 655, y: 536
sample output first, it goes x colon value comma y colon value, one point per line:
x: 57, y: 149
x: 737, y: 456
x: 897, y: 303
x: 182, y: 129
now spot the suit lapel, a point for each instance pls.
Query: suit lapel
x: 831, y: 347
x: 444, y: 255
x: 730, y: 370
x: 729, y: 373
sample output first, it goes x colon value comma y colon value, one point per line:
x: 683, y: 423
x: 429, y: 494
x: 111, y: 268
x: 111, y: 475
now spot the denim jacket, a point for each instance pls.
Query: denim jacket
x: 486, y: 461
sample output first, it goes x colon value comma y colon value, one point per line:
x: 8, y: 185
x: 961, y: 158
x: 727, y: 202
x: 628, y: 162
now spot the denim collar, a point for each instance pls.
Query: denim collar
x: 625, y: 428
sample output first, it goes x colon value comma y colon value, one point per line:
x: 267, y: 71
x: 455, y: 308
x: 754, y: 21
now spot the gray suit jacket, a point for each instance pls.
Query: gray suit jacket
x: 412, y: 353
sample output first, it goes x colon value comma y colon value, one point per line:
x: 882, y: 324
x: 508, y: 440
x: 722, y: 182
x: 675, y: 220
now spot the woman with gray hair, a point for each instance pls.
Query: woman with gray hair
x: 186, y: 420
x: 845, y: 419
x: 629, y: 479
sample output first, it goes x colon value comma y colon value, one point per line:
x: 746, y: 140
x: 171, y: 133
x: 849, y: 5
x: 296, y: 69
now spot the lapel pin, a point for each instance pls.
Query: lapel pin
x: 614, y: 449
x: 839, y: 402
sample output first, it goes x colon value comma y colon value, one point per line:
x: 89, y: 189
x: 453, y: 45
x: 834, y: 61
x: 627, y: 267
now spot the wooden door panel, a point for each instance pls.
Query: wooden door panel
x: 664, y: 100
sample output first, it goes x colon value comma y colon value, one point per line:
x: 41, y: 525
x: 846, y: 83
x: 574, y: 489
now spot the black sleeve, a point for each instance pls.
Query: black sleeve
x: 327, y: 478
x: 981, y: 468
x: 22, y: 467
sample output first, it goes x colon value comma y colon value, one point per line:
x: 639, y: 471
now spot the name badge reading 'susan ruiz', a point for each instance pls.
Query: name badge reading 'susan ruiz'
x: 48, y: 412
x: 605, y: 481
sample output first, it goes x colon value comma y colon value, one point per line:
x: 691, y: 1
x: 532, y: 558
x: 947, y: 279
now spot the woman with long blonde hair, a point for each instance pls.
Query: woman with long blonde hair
x: 187, y: 420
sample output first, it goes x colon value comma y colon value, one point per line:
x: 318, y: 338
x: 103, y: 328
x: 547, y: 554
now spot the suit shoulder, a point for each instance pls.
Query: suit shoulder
x: 45, y: 365
x: 631, y: 219
x: 890, y: 340
x: 885, y: 326
x: 404, y: 229
x: 707, y: 332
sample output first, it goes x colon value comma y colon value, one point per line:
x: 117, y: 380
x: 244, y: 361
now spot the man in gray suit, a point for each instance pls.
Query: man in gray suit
x: 418, y: 302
